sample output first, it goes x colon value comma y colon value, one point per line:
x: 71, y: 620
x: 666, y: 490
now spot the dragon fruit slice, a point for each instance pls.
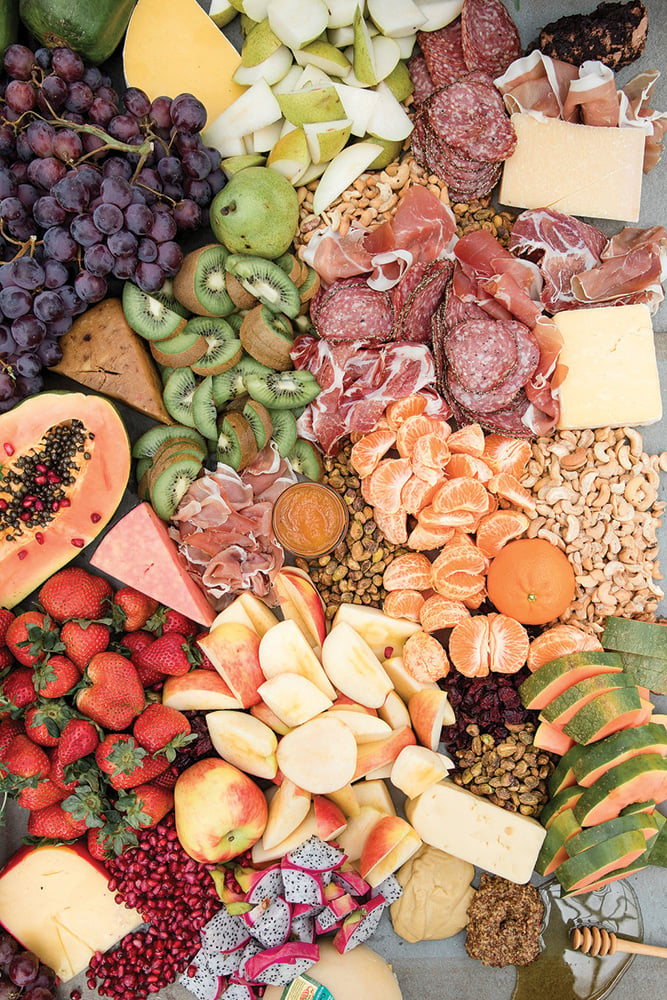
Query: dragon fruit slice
x: 270, y: 921
x: 225, y: 962
x: 351, y: 882
x: 251, y: 949
x: 303, y: 928
x: 204, y: 985
x: 390, y: 888
x: 359, y: 926
x: 224, y: 932
x: 279, y: 966
x: 238, y: 991
x: 302, y: 886
x: 266, y: 883
x: 306, y: 909
x: 326, y: 920
x: 315, y: 855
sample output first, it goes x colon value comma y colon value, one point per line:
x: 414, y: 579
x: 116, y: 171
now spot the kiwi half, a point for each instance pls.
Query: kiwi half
x: 259, y: 419
x: 284, y: 431
x: 236, y: 445
x: 292, y: 267
x: 283, y: 390
x: 308, y: 289
x: 146, y: 445
x: 241, y: 298
x: 305, y: 460
x: 167, y: 491
x: 184, y: 349
x: 178, y: 395
x: 201, y: 285
x: 268, y: 337
x: 166, y: 296
x: 204, y: 410
x: 267, y: 282
x: 148, y: 316
x: 223, y: 348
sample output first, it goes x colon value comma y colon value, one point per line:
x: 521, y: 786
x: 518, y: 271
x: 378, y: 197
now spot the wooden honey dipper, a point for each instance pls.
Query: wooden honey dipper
x: 598, y: 941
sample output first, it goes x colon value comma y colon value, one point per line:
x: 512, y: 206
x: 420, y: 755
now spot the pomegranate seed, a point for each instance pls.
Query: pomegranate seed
x: 26, y: 515
x: 3, y: 505
x: 78, y: 543
x: 55, y: 505
x: 65, y: 502
x: 53, y: 477
x: 39, y: 537
x: 95, y: 518
x: 40, y: 480
x: 23, y: 554
x: 9, y: 448
x: 41, y: 467
x: 28, y: 502
x: 39, y: 505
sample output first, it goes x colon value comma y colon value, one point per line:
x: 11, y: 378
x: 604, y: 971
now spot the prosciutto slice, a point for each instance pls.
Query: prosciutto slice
x: 512, y: 283
x: 632, y: 270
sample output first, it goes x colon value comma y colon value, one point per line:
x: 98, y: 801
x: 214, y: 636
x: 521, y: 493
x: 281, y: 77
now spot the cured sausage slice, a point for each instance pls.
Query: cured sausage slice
x: 481, y: 354
x: 443, y: 52
x: 489, y: 36
x: 349, y: 310
x: 422, y: 81
x: 528, y: 357
x: 470, y: 116
x: 414, y: 321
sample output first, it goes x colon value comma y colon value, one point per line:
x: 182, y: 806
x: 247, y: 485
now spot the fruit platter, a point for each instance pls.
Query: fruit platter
x: 333, y: 657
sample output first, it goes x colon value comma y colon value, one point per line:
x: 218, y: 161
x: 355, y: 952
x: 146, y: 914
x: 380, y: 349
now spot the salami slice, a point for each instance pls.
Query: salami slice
x: 349, y: 310
x: 489, y: 37
x: 457, y: 311
x: 407, y: 286
x: 422, y: 81
x: 443, y: 53
x: 481, y: 354
x: 470, y: 116
x: 528, y: 357
x: 414, y: 322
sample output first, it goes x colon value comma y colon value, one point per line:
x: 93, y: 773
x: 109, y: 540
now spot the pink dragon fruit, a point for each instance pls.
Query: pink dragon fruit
x: 204, y: 985
x: 268, y: 882
x: 359, y: 926
x: 303, y: 928
x: 224, y: 932
x: 316, y: 855
x: 326, y: 920
x: 225, y: 962
x: 251, y: 949
x: 279, y: 966
x: 390, y: 888
x: 302, y: 886
x: 270, y: 921
x: 351, y: 882
x: 238, y: 991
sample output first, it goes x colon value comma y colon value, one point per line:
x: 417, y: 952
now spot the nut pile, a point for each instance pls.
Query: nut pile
x: 353, y: 572
x: 511, y: 773
x: 597, y: 499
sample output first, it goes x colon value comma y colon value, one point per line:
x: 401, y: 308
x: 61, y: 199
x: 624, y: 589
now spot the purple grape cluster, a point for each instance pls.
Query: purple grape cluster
x: 92, y: 188
x: 22, y: 975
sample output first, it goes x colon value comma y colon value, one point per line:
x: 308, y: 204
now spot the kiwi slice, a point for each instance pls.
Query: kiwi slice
x: 267, y: 336
x: 149, y: 317
x: 305, y: 460
x: 223, y: 348
x: 267, y: 282
x: 169, y: 453
x: 178, y: 394
x: 308, y: 288
x: 146, y: 445
x: 259, y: 419
x: 143, y: 465
x: 241, y: 298
x: 165, y: 372
x: 201, y: 285
x: 284, y: 431
x: 292, y: 267
x: 228, y: 386
x: 235, y: 320
x: 171, y: 485
x: 236, y: 445
x: 283, y: 390
x: 166, y: 296
x: 184, y: 349
x: 204, y: 410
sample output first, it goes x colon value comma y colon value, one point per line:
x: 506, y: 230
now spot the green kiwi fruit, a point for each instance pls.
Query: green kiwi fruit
x: 241, y: 298
x: 259, y: 419
x: 283, y: 390
x: 292, y: 267
x: 308, y: 288
x: 146, y: 445
x: 223, y: 348
x: 305, y: 460
x: 167, y: 454
x: 284, y: 431
x: 178, y: 395
x: 143, y: 465
x: 166, y: 296
x: 267, y: 282
x: 236, y: 445
x: 204, y: 410
x: 167, y: 491
x: 268, y: 337
x: 165, y: 371
x: 200, y: 285
x: 235, y: 320
x: 228, y: 386
x: 184, y: 349
x: 148, y: 316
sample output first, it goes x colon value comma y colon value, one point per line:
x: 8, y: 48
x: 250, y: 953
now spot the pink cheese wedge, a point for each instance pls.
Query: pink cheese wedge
x: 139, y: 552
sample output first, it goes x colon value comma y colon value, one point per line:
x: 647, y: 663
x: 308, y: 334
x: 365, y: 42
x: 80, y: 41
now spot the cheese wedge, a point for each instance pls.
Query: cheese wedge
x: 612, y: 373
x: 576, y: 169
x: 55, y: 901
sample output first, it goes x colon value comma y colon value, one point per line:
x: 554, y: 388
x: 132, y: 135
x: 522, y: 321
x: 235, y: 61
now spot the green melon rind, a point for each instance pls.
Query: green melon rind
x: 619, y: 873
x: 657, y: 854
x: 547, y: 682
x: 591, y: 865
x: 614, y: 749
x: 605, y: 710
x: 591, y: 836
x: 629, y: 636
x: 565, y: 799
x: 554, y: 848
x: 576, y: 696
x: 563, y: 775
x: 635, y: 780
x: 647, y: 671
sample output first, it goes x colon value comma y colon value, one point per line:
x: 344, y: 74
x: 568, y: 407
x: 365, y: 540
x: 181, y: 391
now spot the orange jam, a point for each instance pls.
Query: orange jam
x: 309, y: 519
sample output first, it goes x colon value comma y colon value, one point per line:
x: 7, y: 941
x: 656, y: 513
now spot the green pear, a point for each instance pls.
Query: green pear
x: 342, y: 171
x: 326, y: 139
x: 325, y: 56
x: 259, y: 44
x: 390, y: 152
x: 364, y: 56
x: 290, y: 155
x: 222, y: 12
x: 233, y: 164
x: 321, y: 104
x: 396, y: 19
x: 256, y: 213
x: 399, y: 82
x: 272, y: 69
x: 297, y: 23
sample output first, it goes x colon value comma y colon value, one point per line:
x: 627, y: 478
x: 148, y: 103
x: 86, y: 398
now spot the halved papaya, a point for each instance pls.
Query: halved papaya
x: 588, y: 867
x: 635, y: 780
x: 605, y: 714
x: 554, y: 677
x: 614, y: 749
x: 65, y: 464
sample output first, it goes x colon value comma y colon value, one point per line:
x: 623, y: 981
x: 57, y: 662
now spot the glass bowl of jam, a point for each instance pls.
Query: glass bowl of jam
x: 310, y: 519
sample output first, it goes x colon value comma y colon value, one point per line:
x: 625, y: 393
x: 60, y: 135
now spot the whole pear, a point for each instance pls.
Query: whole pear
x: 256, y: 213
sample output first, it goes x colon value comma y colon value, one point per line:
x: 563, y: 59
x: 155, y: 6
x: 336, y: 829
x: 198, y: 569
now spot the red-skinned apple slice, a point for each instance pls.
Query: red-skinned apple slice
x: 233, y: 649
x: 405, y: 684
x: 430, y: 711
x: 288, y: 807
x: 269, y: 718
x: 248, y: 610
x: 355, y: 834
x: 244, y: 741
x: 329, y: 818
x: 346, y: 800
x: 305, y: 830
x: 293, y: 698
x: 382, y: 753
x: 366, y: 728
x: 352, y: 666
x: 394, y: 711
x: 417, y: 768
x: 390, y: 843
x: 319, y: 756
x: 374, y: 793
x: 299, y: 600
x: 349, y: 704
x: 386, y: 636
x: 198, y: 691
x: 284, y: 649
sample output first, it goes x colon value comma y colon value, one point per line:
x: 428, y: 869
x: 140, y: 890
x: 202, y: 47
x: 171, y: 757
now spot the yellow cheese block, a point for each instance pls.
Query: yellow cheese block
x: 612, y: 378
x: 55, y: 901
x: 473, y: 829
x: 576, y: 169
x: 173, y: 47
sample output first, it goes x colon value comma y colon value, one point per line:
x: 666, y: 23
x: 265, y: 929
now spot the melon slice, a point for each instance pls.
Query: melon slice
x: 139, y: 552
x: 555, y: 848
x: 554, y: 677
x: 590, y: 866
x: 591, y: 836
x: 566, y: 705
x: 635, y: 780
x: 173, y: 47
x: 616, y: 748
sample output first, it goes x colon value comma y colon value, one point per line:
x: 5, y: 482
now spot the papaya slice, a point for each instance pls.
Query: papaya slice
x: 563, y: 775
x: 555, y: 847
x: 591, y: 836
x: 566, y: 705
x: 552, y: 738
x: 614, y: 749
x: 635, y: 780
x: 604, y: 715
x: 71, y: 453
x: 588, y: 867
x: 554, y: 677
x: 615, y: 876
x: 567, y: 798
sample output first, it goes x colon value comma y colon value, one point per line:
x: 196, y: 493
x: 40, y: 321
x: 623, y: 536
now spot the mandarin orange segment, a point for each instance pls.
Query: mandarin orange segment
x: 438, y: 612
x: 559, y: 641
x: 496, y: 529
x: 423, y: 539
x: 508, y: 644
x: 366, y: 453
x: 432, y: 519
x: 507, y: 454
x: 508, y: 486
x: 386, y: 482
x: 468, y: 440
x: 429, y: 457
x: 461, y: 586
x: 469, y: 646
x: 404, y: 604
x: 475, y: 600
x: 462, y: 494
x: 424, y: 658
x: 399, y: 411
x: 457, y: 572
x: 411, y: 571
x: 394, y: 527
x: 417, y: 493
x: 415, y: 427
x: 468, y: 465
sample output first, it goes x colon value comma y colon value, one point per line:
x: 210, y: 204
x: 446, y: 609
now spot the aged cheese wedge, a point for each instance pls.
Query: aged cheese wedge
x: 454, y: 820
x: 102, y: 352
x: 576, y: 169
x: 55, y: 901
x: 612, y: 377
x: 173, y: 47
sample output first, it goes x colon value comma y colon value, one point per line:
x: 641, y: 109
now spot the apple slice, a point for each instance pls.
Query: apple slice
x: 355, y: 834
x: 320, y: 755
x: 293, y: 698
x: 374, y: 793
x: 394, y: 711
x: 352, y: 666
x: 430, y: 711
x: 288, y: 808
x: 198, y: 691
x: 439, y: 13
x: 299, y: 598
x: 248, y: 609
x: 244, y: 741
x: 381, y: 753
x: 262, y: 712
x: 284, y: 649
x: 297, y: 23
x: 350, y: 705
x: 417, y: 768
x: 233, y: 649
x: 254, y: 109
x: 405, y: 683
x: 390, y: 843
x: 386, y: 636
x: 329, y: 818
x: 345, y: 799
x: 342, y: 171
x: 396, y: 19
x: 307, y: 828
x: 365, y: 728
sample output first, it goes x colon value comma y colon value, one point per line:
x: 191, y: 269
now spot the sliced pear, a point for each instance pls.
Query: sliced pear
x: 314, y: 171
x: 272, y: 69
x: 359, y: 106
x: 325, y: 56
x: 342, y: 36
x: 341, y: 12
x: 396, y: 19
x: 389, y: 120
x: 326, y: 139
x: 439, y: 13
x: 256, y: 9
x: 222, y: 12
x: 290, y: 155
x: 406, y: 45
x: 391, y: 149
x: 297, y: 23
x: 249, y: 112
x: 320, y: 104
x: 364, y: 56
x: 386, y: 55
x: 259, y: 44
x: 400, y: 82
x: 342, y: 171
x: 265, y: 138
x: 289, y: 82
x: 312, y: 76
x: 232, y: 164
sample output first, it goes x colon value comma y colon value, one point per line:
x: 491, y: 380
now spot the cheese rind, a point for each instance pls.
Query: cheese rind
x: 56, y: 902
x: 612, y: 374
x: 473, y: 829
x: 576, y: 169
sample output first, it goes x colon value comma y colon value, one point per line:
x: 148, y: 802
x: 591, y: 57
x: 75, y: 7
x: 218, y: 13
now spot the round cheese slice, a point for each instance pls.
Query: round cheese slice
x: 359, y: 973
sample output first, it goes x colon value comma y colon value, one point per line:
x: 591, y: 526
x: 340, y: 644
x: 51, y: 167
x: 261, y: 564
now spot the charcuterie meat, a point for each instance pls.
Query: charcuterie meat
x: 443, y: 53
x: 422, y: 82
x: 489, y: 36
x: 413, y: 323
x: 481, y: 354
x: 470, y: 116
x: 349, y: 310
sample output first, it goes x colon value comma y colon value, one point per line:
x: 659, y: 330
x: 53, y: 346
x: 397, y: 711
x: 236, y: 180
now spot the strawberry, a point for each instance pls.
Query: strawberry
x: 112, y: 838
x: 79, y: 738
x: 134, y: 608
x: 45, y: 794
x: 161, y: 729
x: 17, y: 691
x: 136, y: 642
x: 6, y: 618
x: 166, y: 620
x: 169, y: 654
x: 9, y: 729
x: 145, y: 805
x: 82, y: 640
x: 58, y: 776
x: 75, y: 593
x: 55, y: 824
x: 31, y: 636
x: 167, y: 779
x: 25, y: 762
x: 6, y: 658
x: 126, y: 763
x: 45, y: 721
x: 56, y: 676
x: 116, y: 695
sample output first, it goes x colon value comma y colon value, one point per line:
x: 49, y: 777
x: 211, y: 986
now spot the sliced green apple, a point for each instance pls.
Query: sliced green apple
x: 327, y: 139
x: 358, y: 105
x: 319, y: 104
x: 342, y: 171
x: 271, y: 70
x: 396, y: 19
x: 439, y: 13
x: 259, y: 44
x: 325, y: 56
x: 290, y: 155
x: 297, y: 23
